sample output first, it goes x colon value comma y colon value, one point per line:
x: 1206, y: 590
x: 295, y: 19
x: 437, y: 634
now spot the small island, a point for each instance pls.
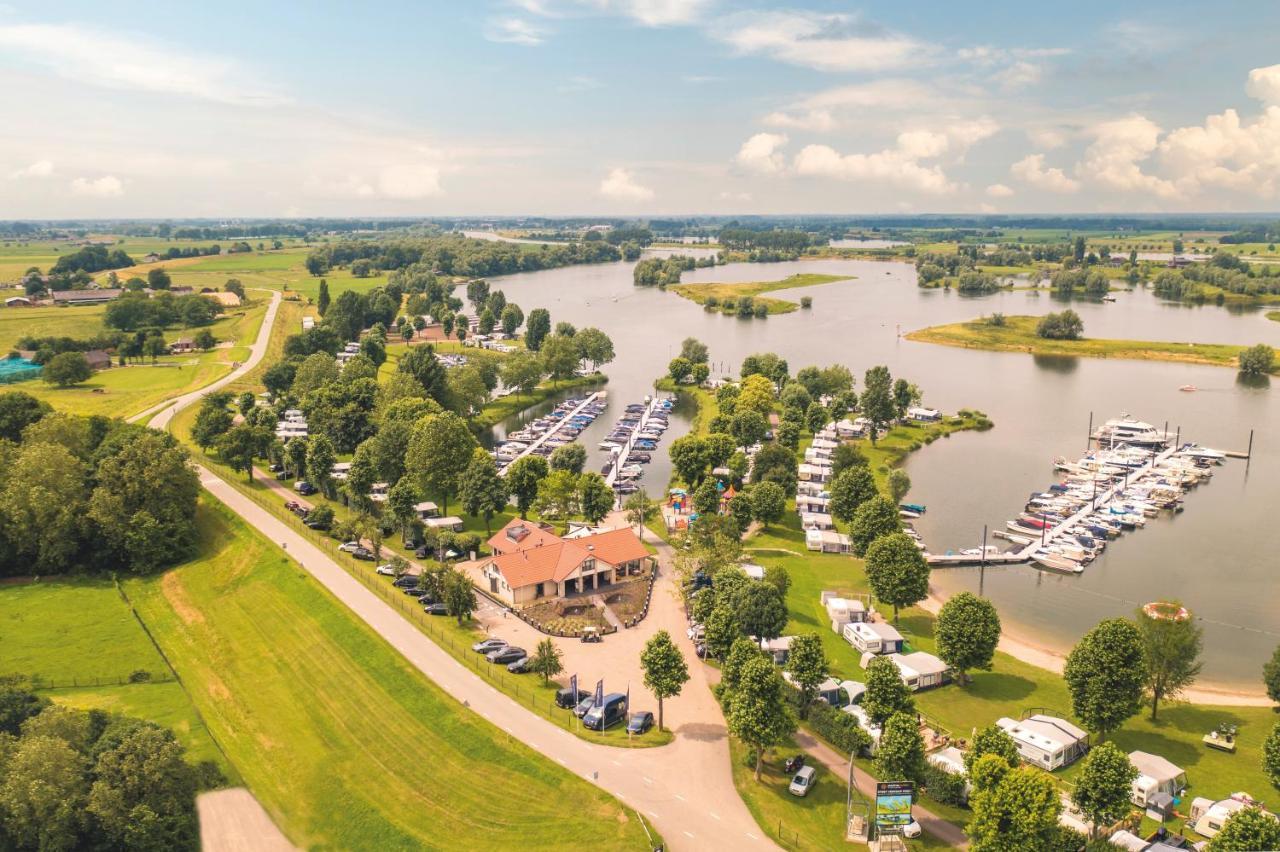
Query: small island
x: 731, y: 298
x: 1018, y: 334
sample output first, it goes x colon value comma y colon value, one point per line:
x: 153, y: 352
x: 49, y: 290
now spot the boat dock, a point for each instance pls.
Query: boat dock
x: 620, y: 457
x: 552, y: 432
x: 957, y: 560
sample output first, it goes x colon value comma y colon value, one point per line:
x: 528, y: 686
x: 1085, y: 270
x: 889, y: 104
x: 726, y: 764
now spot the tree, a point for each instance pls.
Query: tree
x: 66, y: 369
x: 1271, y: 755
x: 1106, y: 675
x: 900, y: 752
x: 241, y: 444
x: 899, y: 485
x: 768, y: 502
x: 706, y: 498
x: 1065, y: 325
x: 694, y: 351
x: 546, y: 660
x: 421, y: 363
x: 758, y: 712
x: 559, y: 357
x: 523, y: 477
x: 749, y: 427
x: 18, y: 410
x: 777, y: 576
x: 595, y: 497
x: 808, y: 665
x: 665, y: 671
x: 459, y: 595
x: 743, y: 510
x: 848, y: 456
x: 756, y: 393
x: 204, y: 340
x: 967, y: 632
x: 322, y: 300
x: 570, y: 457
x: 43, y: 792
x: 679, y: 369
x: 720, y: 628
x: 690, y: 457
x: 742, y: 651
x: 760, y: 610
x: 143, y: 795
x: 1257, y: 360
x: 1171, y: 648
x: 212, y: 422
x: 536, y: 328
x: 1271, y: 676
x: 853, y: 486
x: 877, y: 399
x: 991, y: 740
x: 483, y: 493
x: 886, y: 693
x: 594, y: 347
x: 875, y: 518
x: 1246, y: 830
x: 158, y: 279
x: 1105, y: 784
x: 1018, y: 811
x: 557, y: 495
x: 639, y: 509
x: 321, y: 457
x: 522, y: 371
x: 440, y: 449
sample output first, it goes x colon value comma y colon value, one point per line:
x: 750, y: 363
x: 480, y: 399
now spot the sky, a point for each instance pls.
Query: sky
x: 636, y: 108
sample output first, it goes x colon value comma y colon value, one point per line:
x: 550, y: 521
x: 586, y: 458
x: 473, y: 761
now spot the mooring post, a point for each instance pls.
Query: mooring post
x: 1177, y: 442
x: 1249, y: 452
x: 1089, y: 437
x: 982, y: 562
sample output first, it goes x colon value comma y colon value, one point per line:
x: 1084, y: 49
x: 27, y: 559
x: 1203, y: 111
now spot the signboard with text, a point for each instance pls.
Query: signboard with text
x: 893, y: 803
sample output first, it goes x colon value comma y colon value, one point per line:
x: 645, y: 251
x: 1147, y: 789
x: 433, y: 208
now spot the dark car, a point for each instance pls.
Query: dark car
x: 423, y: 598
x: 567, y: 699
x: 363, y: 553
x: 520, y: 666
x: 276, y: 468
x: 436, y: 609
x: 406, y: 582
x: 583, y: 706
x: 422, y: 552
x: 304, y: 488
x: 640, y: 722
x: 793, y: 764
x: 504, y: 656
x: 316, y: 525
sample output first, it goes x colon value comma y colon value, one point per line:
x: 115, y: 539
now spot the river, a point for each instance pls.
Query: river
x: 1218, y: 556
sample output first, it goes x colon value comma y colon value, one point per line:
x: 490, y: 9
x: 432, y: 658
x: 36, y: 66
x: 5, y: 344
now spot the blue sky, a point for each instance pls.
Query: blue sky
x: 634, y: 107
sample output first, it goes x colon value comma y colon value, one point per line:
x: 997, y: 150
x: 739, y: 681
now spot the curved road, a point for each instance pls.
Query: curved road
x: 685, y: 789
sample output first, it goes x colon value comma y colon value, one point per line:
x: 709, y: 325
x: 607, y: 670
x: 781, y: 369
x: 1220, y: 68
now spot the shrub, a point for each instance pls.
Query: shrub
x: 1257, y: 360
x: 838, y: 728
x: 139, y: 676
x: 1066, y: 325
x: 943, y: 786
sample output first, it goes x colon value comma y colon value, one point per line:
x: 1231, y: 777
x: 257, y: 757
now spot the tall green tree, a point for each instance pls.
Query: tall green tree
x: 690, y: 456
x: 143, y: 793
x: 1018, y: 812
x: 321, y: 457
x: 900, y: 753
x: 639, y: 508
x: 758, y: 711
x: 536, y: 328
x: 595, y: 497
x: 852, y: 487
x: 1271, y: 755
x: 991, y: 740
x: 768, y: 503
x: 43, y: 794
x: 896, y: 569
x: 66, y: 369
x: 42, y: 506
x: 459, y: 595
x: 721, y: 629
x: 439, y: 451
x: 886, y: 693
x: 322, y: 299
x: 760, y: 610
x: 665, y: 671
x: 546, y: 660
x: 1247, y: 830
x: 1106, y: 674
x: 523, y: 477
x: 1271, y: 676
x: 875, y: 518
x: 1104, y: 786
x: 570, y: 457
x: 967, y: 632
x: 18, y: 410
x: 559, y: 358
x: 808, y: 666
x: 899, y: 484
x: 483, y: 493
x: 877, y: 399
x: 1172, y: 651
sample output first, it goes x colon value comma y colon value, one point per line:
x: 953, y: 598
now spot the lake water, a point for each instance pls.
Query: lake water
x: 1219, y: 556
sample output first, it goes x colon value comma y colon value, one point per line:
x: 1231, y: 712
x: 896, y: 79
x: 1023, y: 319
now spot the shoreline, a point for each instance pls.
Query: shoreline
x: 1034, y: 653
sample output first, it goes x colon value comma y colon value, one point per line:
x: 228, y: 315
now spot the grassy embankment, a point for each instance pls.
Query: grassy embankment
x: 345, y: 743
x: 1018, y: 334
x: 1274, y: 316
x: 79, y: 640
x: 700, y: 293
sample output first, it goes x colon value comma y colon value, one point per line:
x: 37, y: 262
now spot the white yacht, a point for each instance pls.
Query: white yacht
x: 1126, y: 430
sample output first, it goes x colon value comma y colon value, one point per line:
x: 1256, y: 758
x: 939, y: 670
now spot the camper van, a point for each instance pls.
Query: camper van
x: 608, y: 714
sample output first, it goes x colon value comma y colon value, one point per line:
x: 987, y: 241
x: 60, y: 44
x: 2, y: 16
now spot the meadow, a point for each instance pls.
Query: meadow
x: 346, y: 744
x: 701, y: 293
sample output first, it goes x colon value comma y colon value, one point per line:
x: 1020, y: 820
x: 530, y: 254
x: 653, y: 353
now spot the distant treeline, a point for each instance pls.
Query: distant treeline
x: 1226, y: 272
x: 458, y: 255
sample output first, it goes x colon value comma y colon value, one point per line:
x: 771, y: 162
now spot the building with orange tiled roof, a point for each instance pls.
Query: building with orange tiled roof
x: 530, y: 562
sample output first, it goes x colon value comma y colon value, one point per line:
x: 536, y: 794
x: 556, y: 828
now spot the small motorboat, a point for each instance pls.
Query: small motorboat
x: 1188, y: 389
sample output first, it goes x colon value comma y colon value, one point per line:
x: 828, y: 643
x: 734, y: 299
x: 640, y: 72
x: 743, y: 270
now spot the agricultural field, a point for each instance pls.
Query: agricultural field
x: 377, y: 755
x: 79, y: 639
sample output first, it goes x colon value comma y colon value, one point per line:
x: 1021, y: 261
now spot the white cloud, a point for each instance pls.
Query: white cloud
x: 1264, y: 84
x: 1118, y: 148
x: 620, y: 185
x: 514, y: 31
x: 761, y: 153
x: 828, y: 109
x: 999, y: 190
x: 817, y: 120
x: 1031, y: 170
x: 1227, y: 152
x: 38, y: 169
x: 116, y: 61
x: 826, y: 42
x: 1047, y: 138
x: 107, y: 186
x: 1019, y: 75
x: 660, y: 13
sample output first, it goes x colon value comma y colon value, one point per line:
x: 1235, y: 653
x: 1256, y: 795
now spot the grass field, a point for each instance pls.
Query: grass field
x: 699, y: 293
x: 65, y: 632
x: 1018, y: 334
x: 345, y: 744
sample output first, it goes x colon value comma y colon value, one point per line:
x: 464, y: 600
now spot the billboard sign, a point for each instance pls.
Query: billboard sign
x: 893, y: 803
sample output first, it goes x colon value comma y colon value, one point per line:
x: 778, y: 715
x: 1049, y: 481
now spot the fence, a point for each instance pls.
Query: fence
x: 141, y: 676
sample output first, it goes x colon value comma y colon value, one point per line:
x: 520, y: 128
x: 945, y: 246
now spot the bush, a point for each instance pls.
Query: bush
x: 996, y: 319
x: 945, y: 787
x: 1066, y: 325
x: 1257, y: 360
x: 838, y: 728
x: 806, y: 302
x: 139, y: 676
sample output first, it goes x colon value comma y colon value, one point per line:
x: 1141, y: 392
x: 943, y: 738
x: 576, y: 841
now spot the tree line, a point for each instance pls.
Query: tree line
x: 458, y: 255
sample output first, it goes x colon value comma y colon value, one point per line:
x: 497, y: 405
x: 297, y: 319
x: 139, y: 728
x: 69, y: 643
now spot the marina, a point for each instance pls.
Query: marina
x: 560, y: 426
x: 633, y: 441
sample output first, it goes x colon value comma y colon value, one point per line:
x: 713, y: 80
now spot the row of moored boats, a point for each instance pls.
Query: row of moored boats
x: 562, y: 425
x: 632, y: 442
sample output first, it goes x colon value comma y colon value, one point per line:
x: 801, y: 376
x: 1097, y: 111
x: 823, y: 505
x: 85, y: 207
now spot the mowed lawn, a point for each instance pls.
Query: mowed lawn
x: 68, y: 632
x: 346, y: 744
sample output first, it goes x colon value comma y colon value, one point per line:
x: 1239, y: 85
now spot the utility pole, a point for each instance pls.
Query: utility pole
x: 982, y: 562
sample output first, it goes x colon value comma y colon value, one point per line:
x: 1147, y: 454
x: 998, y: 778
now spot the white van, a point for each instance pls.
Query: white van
x: 803, y: 781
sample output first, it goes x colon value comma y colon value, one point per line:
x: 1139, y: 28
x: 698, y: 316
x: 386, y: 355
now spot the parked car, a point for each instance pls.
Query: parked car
x: 363, y: 553
x: 316, y: 524
x: 567, y: 699
x: 803, y: 781
x: 484, y: 646
x: 911, y: 829
x: 422, y: 597
x: 276, y: 468
x: 292, y: 505
x: 386, y: 569
x: 436, y: 609
x: 304, y: 488
x: 583, y: 706
x: 701, y: 650
x: 406, y: 582
x: 696, y: 632
x: 503, y: 656
x: 793, y: 764
x: 608, y: 714
x: 349, y: 546
x: 640, y: 722
x: 422, y: 552
x: 520, y: 666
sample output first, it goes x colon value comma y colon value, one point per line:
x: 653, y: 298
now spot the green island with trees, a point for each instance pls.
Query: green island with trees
x: 744, y: 299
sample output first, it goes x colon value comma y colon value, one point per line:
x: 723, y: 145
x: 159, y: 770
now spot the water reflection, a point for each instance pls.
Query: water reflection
x: 1063, y: 364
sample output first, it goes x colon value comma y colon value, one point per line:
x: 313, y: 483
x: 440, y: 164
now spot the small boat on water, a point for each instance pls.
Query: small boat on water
x: 1188, y: 388
x: 1055, y: 562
